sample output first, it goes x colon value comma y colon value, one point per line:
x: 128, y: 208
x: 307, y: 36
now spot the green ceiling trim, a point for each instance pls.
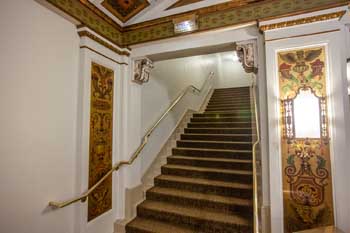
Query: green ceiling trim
x: 90, y: 19
x: 230, y: 17
x: 233, y: 16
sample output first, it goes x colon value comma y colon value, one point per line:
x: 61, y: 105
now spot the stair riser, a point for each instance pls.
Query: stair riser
x: 218, y: 125
x: 215, y: 145
x: 243, y: 210
x: 238, y: 138
x: 233, y: 90
x: 213, y: 154
x: 218, y: 109
x: 218, y: 131
x: 130, y: 229
x: 226, y: 119
x: 231, y: 99
x: 225, y: 105
x: 218, y: 115
x: 246, y: 179
x: 205, y: 188
x: 238, y: 97
x: 201, y: 225
x: 210, y: 164
x: 225, y: 109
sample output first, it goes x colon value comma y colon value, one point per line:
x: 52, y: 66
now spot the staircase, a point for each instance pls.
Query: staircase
x: 206, y: 185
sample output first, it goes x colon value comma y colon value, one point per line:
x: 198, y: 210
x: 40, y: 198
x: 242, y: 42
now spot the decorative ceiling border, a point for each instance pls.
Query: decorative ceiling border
x: 222, y: 15
x: 209, y: 18
x: 312, y: 19
x: 85, y: 13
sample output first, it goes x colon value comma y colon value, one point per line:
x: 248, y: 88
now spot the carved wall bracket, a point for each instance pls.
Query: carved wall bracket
x: 247, y: 54
x: 142, y: 70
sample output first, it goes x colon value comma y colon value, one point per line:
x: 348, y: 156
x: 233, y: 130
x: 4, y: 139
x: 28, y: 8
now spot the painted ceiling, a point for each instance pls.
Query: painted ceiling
x: 125, y: 9
x: 182, y: 3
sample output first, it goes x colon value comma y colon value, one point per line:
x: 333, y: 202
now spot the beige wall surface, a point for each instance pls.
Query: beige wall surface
x: 38, y: 98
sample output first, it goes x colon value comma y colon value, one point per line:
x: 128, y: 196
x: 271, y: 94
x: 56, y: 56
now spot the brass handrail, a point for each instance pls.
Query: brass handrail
x: 255, y: 177
x: 83, y: 197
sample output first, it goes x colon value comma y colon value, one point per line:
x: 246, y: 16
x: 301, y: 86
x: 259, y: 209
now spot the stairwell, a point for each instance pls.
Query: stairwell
x: 206, y: 185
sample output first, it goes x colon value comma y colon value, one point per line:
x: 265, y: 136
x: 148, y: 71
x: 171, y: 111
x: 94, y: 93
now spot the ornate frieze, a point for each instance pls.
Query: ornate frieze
x: 142, y: 69
x: 312, y: 19
x: 247, y: 54
x: 101, y: 134
x: 209, y: 18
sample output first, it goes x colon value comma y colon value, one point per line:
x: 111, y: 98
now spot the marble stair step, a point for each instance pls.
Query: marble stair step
x: 146, y: 225
x: 221, y: 119
x: 225, y: 114
x: 229, y: 175
x: 201, y: 200
x: 215, y: 144
x: 212, y: 153
x: 199, y: 219
x: 218, y: 130
x: 199, y: 185
x: 218, y: 137
x: 242, y: 164
x: 244, y: 124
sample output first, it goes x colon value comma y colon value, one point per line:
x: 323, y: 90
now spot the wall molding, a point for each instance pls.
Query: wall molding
x: 303, y: 35
x: 101, y: 54
x: 102, y: 42
x: 312, y: 19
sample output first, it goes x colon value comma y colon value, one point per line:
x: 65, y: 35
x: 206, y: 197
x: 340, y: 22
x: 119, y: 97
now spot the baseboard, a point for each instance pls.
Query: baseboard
x: 266, y: 219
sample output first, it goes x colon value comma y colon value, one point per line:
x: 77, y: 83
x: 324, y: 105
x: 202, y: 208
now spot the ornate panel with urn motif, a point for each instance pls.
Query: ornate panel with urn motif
x: 306, y: 162
x: 101, y: 133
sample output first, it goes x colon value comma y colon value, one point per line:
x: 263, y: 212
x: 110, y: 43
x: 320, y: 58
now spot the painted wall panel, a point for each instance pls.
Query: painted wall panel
x: 306, y: 162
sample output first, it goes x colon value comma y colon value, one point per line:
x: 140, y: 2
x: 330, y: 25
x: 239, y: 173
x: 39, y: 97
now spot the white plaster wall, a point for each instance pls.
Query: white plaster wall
x: 168, y: 79
x: 38, y: 99
x: 230, y: 72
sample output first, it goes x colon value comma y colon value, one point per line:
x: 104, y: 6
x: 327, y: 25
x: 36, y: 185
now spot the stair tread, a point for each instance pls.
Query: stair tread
x: 154, y: 226
x: 208, y: 149
x: 222, y: 135
x: 231, y: 117
x: 201, y: 196
x: 205, y: 181
x: 226, y: 111
x: 214, y: 123
x: 195, y: 213
x: 205, y: 169
x: 224, y: 142
x: 225, y: 128
x: 211, y: 159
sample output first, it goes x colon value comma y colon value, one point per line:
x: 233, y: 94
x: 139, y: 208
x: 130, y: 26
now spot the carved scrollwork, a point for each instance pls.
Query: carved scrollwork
x: 142, y: 70
x: 247, y: 54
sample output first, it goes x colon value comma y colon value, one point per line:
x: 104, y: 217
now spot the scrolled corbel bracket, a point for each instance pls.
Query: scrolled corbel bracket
x: 247, y: 54
x: 142, y: 70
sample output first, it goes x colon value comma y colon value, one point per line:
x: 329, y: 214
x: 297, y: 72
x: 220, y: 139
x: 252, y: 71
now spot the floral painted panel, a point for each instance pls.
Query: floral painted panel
x: 101, y: 133
x: 306, y: 163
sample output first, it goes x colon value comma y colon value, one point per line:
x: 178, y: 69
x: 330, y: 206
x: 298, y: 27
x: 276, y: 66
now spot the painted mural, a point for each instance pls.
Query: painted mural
x: 306, y: 163
x: 101, y: 133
